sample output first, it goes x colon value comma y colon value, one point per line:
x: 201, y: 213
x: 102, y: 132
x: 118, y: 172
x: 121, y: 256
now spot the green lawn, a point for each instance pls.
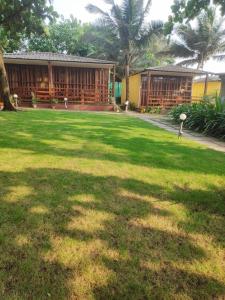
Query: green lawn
x: 103, y: 206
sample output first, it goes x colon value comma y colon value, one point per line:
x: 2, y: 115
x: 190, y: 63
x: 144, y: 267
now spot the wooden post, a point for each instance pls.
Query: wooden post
x: 67, y: 83
x: 50, y: 80
x: 82, y: 96
x: 222, y: 90
x: 206, y: 84
x: 148, y: 88
x: 96, y: 85
x: 113, y: 81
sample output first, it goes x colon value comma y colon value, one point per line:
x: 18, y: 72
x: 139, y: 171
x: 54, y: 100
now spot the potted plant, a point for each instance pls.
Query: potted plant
x: 54, y: 101
x: 34, y: 100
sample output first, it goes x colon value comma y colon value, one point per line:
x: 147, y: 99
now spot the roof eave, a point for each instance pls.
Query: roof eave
x: 30, y: 61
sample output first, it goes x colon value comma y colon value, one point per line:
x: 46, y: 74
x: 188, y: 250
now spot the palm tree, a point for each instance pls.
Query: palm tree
x: 198, y: 43
x: 127, y: 21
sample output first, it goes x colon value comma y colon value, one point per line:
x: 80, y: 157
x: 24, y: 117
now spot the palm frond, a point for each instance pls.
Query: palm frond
x: 155, y: 28
x: 93, y: 9
x: 180, y: 50
x: 187, y: 62
x: 219, y: 57
x: 201, y: 41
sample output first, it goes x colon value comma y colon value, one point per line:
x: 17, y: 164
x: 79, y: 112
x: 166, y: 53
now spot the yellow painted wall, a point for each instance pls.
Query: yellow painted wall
x: 198, y: 89
x: 135, y: 85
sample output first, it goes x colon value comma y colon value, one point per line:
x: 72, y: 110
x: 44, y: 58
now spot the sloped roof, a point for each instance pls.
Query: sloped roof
x: 49, y: 56
x: 176, y: 69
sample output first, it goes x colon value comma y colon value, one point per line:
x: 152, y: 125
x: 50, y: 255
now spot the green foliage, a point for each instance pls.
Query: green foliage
x: 153, y: 110
x: 64, y: 36
x: 132, y: 106
x: 21, y: 19
x: 183, y: 10
x: 207, y: 116
x: 54, y: 101
x: 129, y: 32
x: 34, y: 99
x: 197, y: 43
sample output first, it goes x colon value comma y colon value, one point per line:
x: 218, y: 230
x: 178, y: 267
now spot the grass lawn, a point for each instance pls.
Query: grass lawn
x: 103, y: 206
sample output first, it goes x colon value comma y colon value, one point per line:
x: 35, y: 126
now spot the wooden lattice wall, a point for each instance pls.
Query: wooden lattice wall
x: 165, y: 91
x: 79, y: 85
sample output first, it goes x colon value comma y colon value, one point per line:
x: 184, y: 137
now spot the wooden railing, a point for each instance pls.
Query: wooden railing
x: 73, y: 93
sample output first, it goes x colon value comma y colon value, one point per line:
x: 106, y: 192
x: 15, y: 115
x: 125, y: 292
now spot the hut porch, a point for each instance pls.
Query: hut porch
x: 167, y: 86
x: 81, y: 80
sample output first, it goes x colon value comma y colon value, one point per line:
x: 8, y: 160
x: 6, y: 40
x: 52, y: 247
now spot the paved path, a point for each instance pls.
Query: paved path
x: 164, y: 123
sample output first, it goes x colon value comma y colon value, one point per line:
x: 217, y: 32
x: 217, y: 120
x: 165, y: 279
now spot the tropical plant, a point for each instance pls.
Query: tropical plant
x: 198, y: 43
x: 127, y: 22
x: 54, y: 101
x: 207, y: 116
x: 106, y: 45
x: 34, y: 99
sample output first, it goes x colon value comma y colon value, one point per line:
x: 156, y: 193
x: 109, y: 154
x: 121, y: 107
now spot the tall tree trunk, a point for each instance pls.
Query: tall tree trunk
x: 222, y: 90
x: 201, y: 64
x: 127, y: 74
x: 4, y: 87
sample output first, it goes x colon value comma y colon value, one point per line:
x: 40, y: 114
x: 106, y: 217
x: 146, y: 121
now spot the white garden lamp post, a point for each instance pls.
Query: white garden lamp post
x: 15, y: 97
x: 66, y: 102
x: 126, y: 105
x: 183, y: 117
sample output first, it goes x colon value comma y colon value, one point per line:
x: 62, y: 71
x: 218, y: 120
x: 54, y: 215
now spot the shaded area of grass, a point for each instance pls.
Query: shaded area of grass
x: 107, y: 207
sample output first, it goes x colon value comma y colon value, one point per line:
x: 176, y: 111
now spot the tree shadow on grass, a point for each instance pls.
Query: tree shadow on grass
x: 109, y: 138
x: 43, y: 211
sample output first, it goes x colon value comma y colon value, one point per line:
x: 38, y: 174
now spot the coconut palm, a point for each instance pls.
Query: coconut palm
x: 197, y: 43
x: 128, y: 23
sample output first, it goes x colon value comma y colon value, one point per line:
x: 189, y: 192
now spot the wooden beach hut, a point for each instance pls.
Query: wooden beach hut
x: 162, y: 87
x: 83, y: 81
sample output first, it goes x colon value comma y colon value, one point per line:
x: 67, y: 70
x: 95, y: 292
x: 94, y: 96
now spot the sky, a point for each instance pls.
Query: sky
x: 160, y: 10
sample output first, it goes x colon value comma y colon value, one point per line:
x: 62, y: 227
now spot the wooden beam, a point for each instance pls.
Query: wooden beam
x: 50, y: 80
x: 96, y: 85
x: 113, y: 81
x: 67, y: 82
x: 148, y: 88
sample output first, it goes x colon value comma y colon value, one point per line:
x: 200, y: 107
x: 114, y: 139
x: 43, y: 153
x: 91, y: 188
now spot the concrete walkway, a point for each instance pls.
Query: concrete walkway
x: 164, y: 122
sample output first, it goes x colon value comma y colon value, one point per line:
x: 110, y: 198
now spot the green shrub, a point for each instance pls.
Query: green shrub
x: 132, y: 106
x: 207, y: 116
x: 34, y: 99
x: 54, y: 101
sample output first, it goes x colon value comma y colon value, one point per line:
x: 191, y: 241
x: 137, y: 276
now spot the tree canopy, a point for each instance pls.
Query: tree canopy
x: 64, y: 36
x: 22, y: 17
x: 127, y: 22
x: 186, y: 10
x: 18, y: 18
x: 199, y: 42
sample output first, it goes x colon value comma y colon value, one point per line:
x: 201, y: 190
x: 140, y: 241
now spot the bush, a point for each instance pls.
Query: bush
x: 132, y: 106
x: 54, y: 101
x: 153, y: 110
x: 207, y: 116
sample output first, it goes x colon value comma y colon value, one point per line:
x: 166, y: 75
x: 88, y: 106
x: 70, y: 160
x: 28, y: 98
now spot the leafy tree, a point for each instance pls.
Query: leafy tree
x: 65, y: 36
x: 151, y: 56
x: 127, y: 23
x: 186, y: 10
x: 198, y: 43
x: 18, y: 18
